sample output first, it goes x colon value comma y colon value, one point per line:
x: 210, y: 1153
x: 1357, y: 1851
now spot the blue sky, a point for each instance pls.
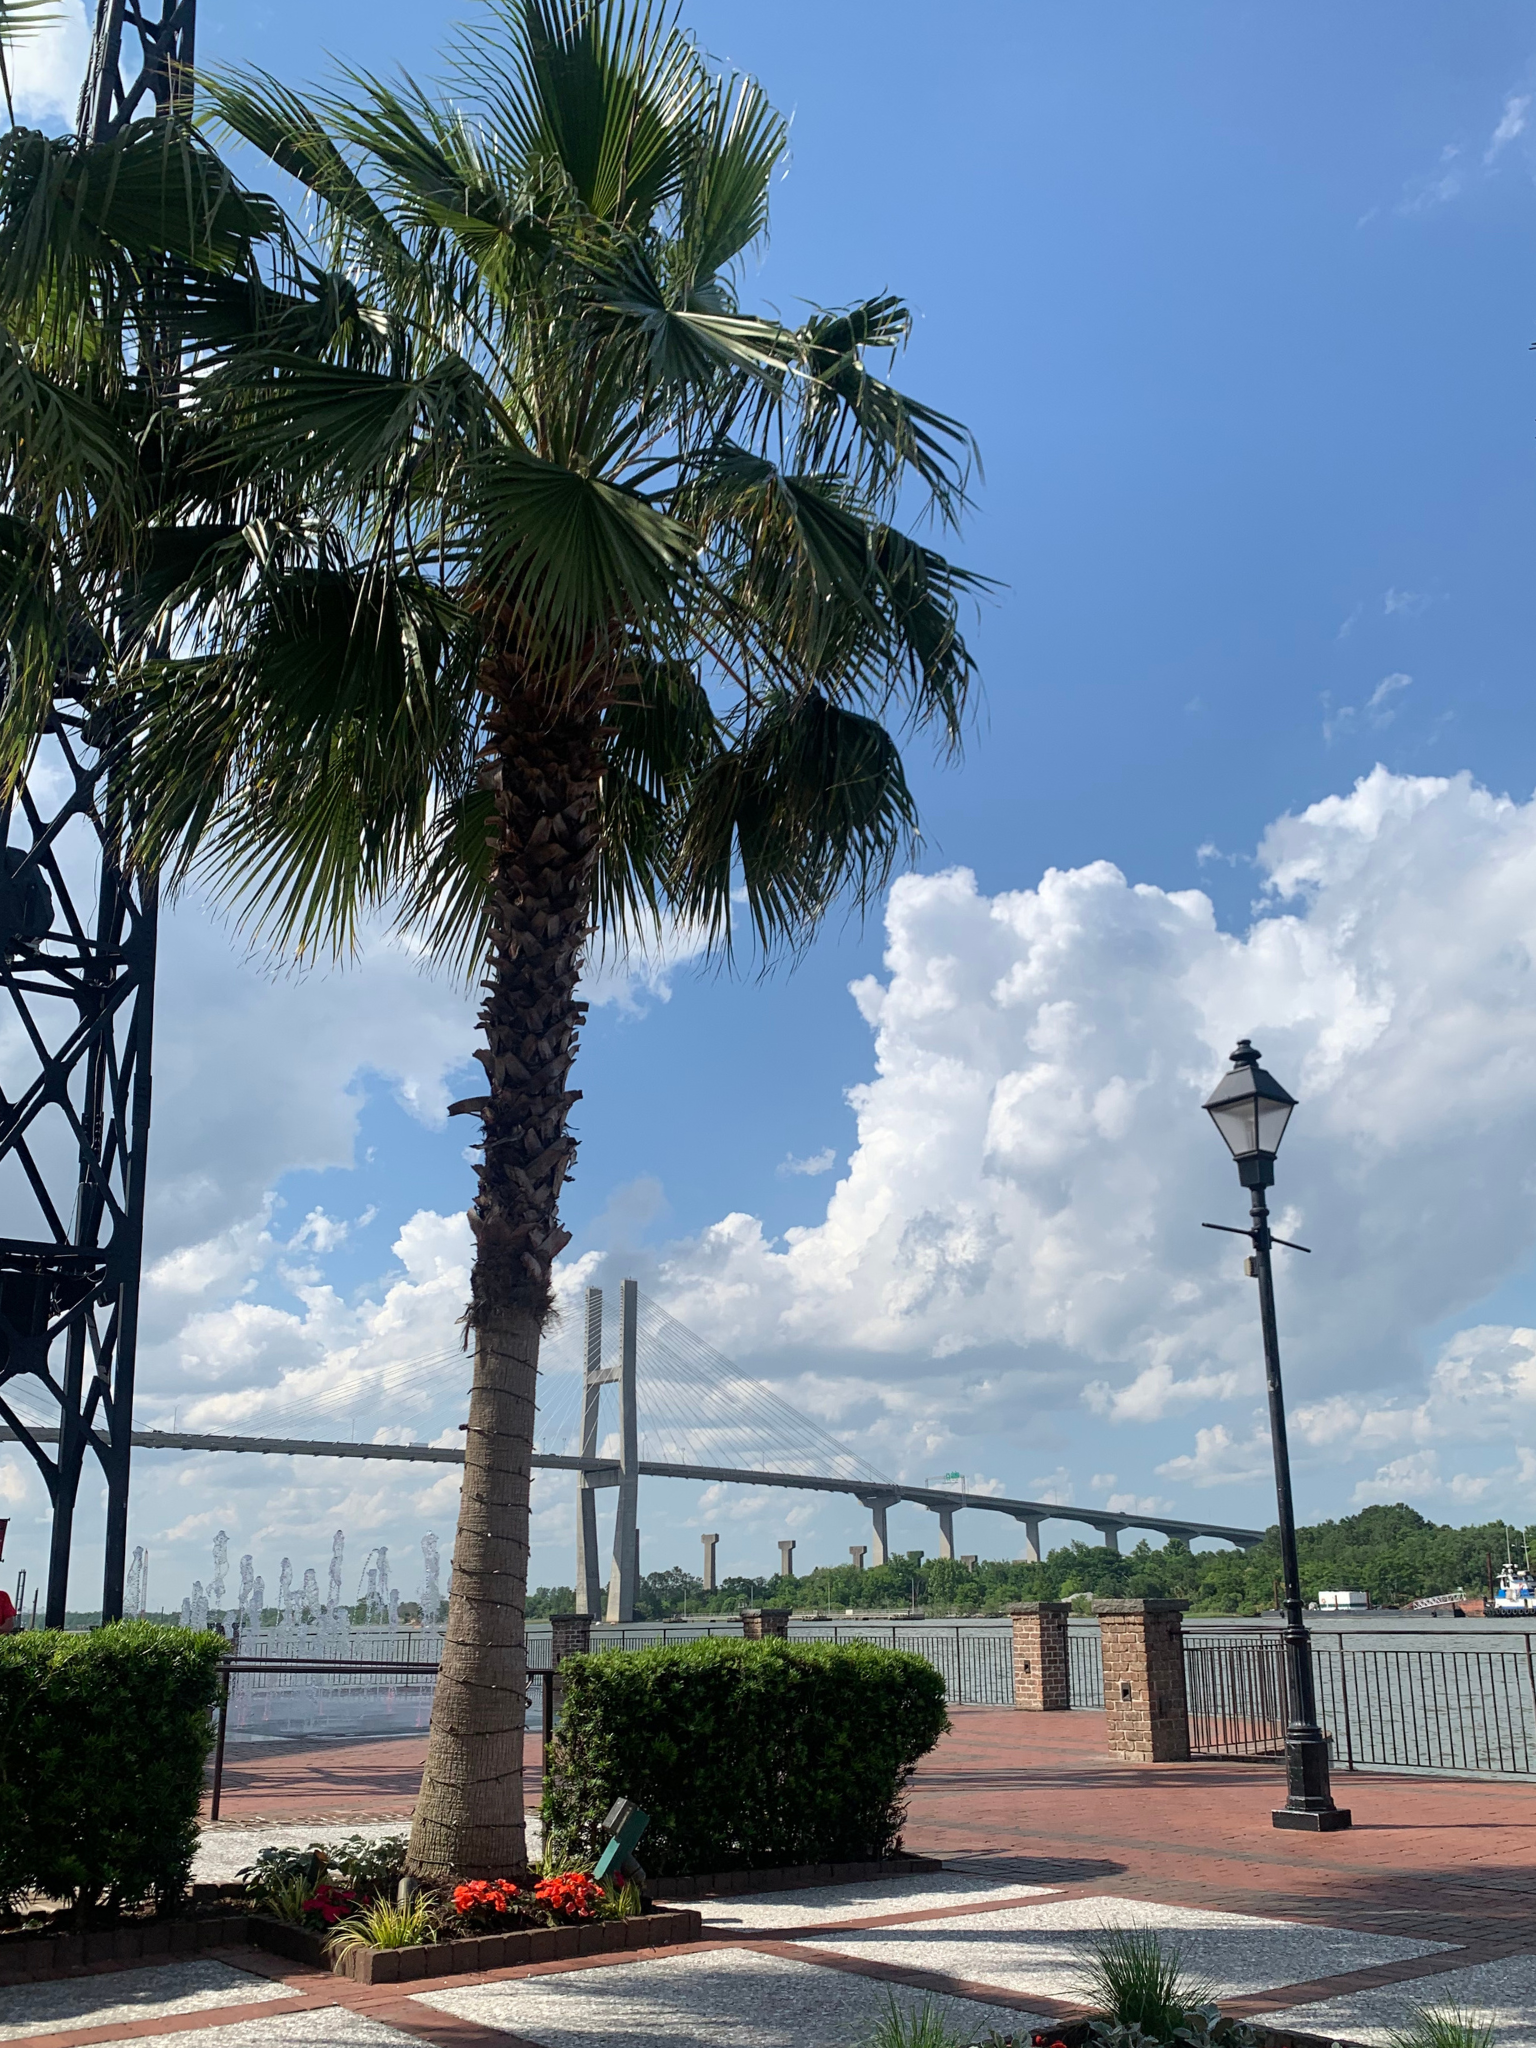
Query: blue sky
x: 1239, y: 303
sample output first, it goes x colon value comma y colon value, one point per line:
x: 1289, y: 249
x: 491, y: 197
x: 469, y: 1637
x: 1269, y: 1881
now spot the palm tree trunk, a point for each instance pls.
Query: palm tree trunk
x: 469, y: 1816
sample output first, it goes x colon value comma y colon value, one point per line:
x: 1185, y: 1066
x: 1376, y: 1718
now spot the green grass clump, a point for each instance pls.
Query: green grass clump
x: 1137, y: 1981
x: 387, y: 1923
x: 924, y: 2026
x: 1445, y: 2026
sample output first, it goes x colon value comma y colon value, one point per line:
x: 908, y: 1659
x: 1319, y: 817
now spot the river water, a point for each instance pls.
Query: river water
x: 1401, y: 1692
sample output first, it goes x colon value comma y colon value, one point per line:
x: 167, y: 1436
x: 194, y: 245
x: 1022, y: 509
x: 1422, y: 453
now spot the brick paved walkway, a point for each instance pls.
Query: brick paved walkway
x: 1035, y: 1795
x: 299, y: 1780
x: 1053, y: 1839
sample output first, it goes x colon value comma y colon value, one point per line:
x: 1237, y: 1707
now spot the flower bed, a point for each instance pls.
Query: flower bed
x: 1080, y: 2034
x: 456, y: 1957
x: 345, y: 1905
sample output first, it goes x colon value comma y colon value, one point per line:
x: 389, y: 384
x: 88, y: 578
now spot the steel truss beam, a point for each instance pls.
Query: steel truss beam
x: 77, y: 981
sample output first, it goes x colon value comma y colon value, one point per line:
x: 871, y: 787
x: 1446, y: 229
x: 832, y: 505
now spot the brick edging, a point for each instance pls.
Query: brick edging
x: 46, y: 1956
x: 475, y: 1952
x: 795, y: 1877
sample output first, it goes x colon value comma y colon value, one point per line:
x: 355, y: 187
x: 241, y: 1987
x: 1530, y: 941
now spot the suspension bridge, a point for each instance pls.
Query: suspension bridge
x: 679, y: 1409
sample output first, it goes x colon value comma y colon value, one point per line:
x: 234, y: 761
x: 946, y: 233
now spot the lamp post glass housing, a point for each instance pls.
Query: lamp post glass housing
x: 1251, y: 1110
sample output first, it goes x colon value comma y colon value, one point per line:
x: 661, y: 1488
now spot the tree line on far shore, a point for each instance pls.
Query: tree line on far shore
x: 1393, y: 1553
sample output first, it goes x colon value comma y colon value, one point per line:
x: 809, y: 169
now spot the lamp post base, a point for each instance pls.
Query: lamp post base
x: 1328, y: 1822
x: 1308, y: 1799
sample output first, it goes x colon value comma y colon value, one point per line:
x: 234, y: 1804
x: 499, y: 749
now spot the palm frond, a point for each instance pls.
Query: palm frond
x: 35, y: 620
x: 291, y: 133
x: 595, y: 97
x: 684, y: 345
x: 810, y: 805
x: 728, y: 159
x: 857, y: 423
x: 570, y: 557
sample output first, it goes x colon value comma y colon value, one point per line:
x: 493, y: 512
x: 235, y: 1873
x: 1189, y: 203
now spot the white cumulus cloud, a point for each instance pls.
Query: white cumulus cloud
x: 47, y: 68
x: 1032, y: 1164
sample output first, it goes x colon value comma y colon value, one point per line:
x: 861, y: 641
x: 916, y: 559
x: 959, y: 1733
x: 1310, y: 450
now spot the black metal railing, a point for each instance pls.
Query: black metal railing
x: 1415, y: 1704
x: 1465, y: 1710
x: 976, y: 1658
x: 541, y: 1687
x: 1085, y: 1664
x: 1235, y: 1680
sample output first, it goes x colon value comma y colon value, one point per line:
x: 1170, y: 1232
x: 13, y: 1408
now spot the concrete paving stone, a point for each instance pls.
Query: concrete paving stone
x: 123, y: 1996
x: 724, y: 2000
x: 329, y: 2026
x: 820, y: 1904
x: 1503, y: 1992
x: 226, y: 1847
x: 1044, y: 1949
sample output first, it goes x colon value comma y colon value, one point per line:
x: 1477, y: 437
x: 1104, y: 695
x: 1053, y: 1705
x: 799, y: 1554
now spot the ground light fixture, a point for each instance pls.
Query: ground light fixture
x: 1251, y: 1110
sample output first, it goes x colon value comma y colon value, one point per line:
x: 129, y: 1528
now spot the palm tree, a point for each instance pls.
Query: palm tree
x: 576, y: 604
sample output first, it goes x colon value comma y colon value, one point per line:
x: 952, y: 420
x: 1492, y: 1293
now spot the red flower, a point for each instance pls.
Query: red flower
x: 332, y: 1902
x: 574, y: 1892
x: 484, y: 1895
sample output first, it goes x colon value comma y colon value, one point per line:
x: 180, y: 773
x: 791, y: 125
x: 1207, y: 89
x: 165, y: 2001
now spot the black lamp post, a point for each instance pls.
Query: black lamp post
x: 1251, y: 1110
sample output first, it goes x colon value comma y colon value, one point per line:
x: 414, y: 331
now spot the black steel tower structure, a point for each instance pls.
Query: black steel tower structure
x: 77, y: 987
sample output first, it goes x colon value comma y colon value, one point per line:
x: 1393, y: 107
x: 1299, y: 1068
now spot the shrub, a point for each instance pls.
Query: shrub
x: 745, y: 1755
x: 285, y: 1881
x: 103, y: 1738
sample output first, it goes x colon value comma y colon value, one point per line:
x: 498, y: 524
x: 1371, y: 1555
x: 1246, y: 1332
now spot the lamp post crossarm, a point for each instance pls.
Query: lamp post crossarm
x: 1232, y: 1230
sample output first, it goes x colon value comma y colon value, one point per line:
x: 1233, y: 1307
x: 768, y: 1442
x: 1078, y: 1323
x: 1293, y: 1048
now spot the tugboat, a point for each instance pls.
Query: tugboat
x: 1516, y: 1592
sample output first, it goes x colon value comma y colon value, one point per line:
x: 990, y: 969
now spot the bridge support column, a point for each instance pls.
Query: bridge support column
x: 1031, y: 1540
x: 709, y: 1543
x: 626, y: 1535
x: 856, y: 1551
x: 786, y: 1557
x: 946, y: 1531
x: 588, y: 1586
x: 589, y: 1592
x: 1111, y: 1540
x: 879, y: 1546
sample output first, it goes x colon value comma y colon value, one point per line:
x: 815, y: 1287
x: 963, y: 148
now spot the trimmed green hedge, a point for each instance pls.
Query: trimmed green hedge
x: 103, y: 1738
x: 746, y: 1756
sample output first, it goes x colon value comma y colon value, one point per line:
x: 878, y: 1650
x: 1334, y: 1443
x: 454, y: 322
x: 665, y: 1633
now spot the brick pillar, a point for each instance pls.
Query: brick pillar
x: 1040, y: 1656
x: 570, y: 1635
x: 757, y: 1622
x: 1146, y: 1709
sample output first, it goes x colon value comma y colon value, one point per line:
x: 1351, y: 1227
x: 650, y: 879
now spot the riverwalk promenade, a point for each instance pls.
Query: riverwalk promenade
x: 1427, y: 1900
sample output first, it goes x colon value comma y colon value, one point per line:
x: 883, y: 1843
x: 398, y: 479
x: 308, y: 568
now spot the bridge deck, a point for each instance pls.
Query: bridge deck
x: 605, y: 1472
